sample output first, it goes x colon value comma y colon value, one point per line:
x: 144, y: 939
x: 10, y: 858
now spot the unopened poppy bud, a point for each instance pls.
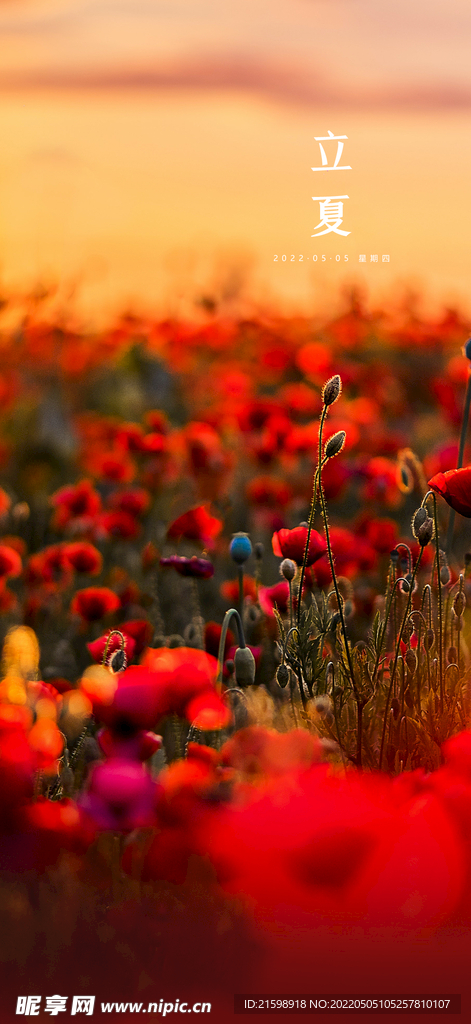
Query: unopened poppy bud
x: 336, y: 620
x: 394, y: 556
x: 405, y: 585
x: 418, y: 519
x: 259, y: 551
x: 459, y: 603
x: 411, y: 661
x: 452, y: 655
x: 335, y: 444
x: 407, y: 632
x: 424, y: 532
x: 282, y: 675
x: 457, y: 623
x: 429, y: 639
x: 229, y: 666
x: 118, y: 661
x: 331, y: 390
x: 445, y: 575
x: 240, y: 548
x: 288, y: 569
x: 244, y: 663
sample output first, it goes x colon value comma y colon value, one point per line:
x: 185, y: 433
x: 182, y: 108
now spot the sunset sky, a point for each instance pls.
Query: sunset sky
x: 152, y: 148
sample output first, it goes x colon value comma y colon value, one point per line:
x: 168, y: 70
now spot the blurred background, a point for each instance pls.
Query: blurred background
x: 155, y: 148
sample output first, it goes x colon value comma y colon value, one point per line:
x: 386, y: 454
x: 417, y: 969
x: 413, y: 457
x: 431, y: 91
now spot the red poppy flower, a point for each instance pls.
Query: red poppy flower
x: 115, y: 465
x: 292, y: 544
x: 117, y: 524
x: 17, y: 543
x: 140, y: 630
x: 5, y: 502
x: 274, y: 597
x: 121, y: 795
x: 455, y: 487
x: 94, y: 603
x: 135, y: 501
x: 10, y: 562
x: 153, y: 444
x: 49, y: 566
x: 84, y: 557
x: 138, y: 747
x: 212, y: 636
x: 186, y: 677
x: 76, y: 501
x: 200, y: 568
x: 268, y: 491
x: 196, y: 524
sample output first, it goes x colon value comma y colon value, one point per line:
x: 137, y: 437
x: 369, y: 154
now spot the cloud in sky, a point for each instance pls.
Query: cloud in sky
x: 362, y: 53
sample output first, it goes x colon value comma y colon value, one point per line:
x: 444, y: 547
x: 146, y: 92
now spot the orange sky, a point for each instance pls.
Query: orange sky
x: 153, y: 148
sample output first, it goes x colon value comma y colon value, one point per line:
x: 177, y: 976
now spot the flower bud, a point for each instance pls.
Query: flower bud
x: 429, y: 639
x: 445, y: 575
x: 244, y: 663
x: 459, y: 604
x: 452, y: 655
x: 240, y: 548
x: 418, y: 519
x: 335, y: 444
x: 424, y: 532
x: 259, y: 551
x: 410, y: 659
x: 118, y: 661
x: 282, y: 675
x: 331, y: 390
x: 288, y: 569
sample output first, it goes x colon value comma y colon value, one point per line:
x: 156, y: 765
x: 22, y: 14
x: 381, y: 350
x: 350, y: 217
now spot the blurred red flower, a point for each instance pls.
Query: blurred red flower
x: 84, y: 557
x: 115, y: 465
x: 94, y: 603
x: 274, y: 597
x: 266, y: 490
x: 10, y: 562
x: 117, y: 524
x: 75, y: 501
x: 196, y: 524
x: 455, y: 487
x: 135, y: 501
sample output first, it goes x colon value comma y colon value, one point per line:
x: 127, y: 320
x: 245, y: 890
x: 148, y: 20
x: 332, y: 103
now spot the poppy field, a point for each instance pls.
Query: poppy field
x: 235, y: 696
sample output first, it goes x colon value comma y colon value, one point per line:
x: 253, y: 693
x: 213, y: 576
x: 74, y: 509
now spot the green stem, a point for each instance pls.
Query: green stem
x: 396, y: 656
x: 222, y: 640
x: 440, y: 609
x: 312, y: 513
